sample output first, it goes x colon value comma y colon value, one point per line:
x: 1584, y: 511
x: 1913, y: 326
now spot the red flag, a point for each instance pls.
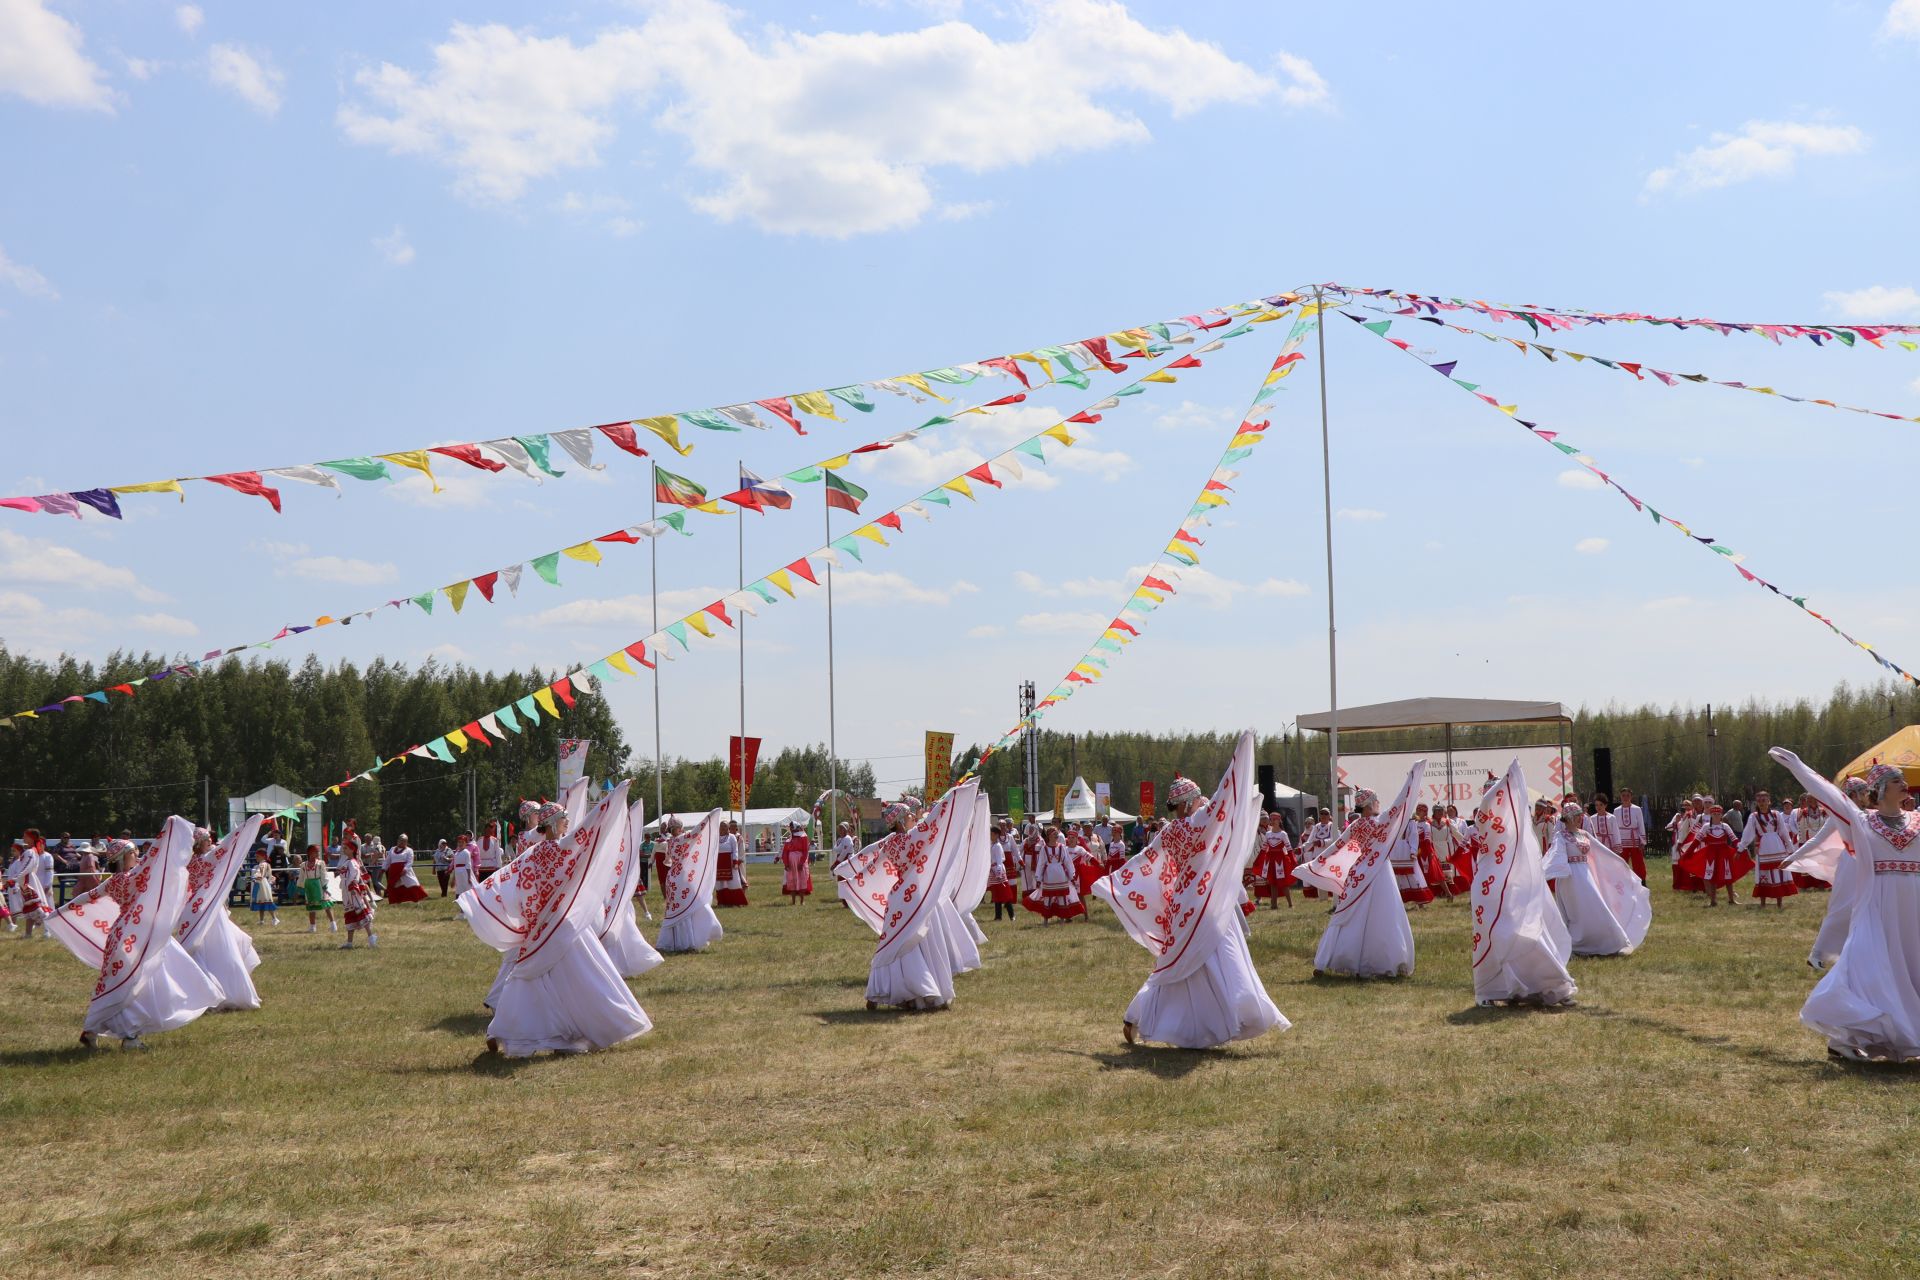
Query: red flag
x: 564, y: 687
x: 1098, y: 347
x: 983, y: 474
x: 1008, y: 365
x: 1181, y: 535
x: 486, y: 582
x: 618, y: 535
x: 804, y: 569
x: 782, y: 408
x: 1015, y: 398
x: 742, y: 753
x: 891, y: 520
x: 621, y: 433
x: 638, y: 652
x: 469, y: 454
x: 1158, y: 585
x: 472, y: 730
x: 1127, y: 627
x: 249, y: 483
x: 1084, y: 416
x: 1186, y: 362
x: 719, y: 610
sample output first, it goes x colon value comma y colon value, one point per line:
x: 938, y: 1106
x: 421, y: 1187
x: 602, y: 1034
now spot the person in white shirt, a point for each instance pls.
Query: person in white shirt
x: 1769, y: 837
x: 1598, y: 821
x: 730, y: 885
x: 488, y: 854
x: 1630, y: 825
x: 461, y: 864
x: 844, y: 845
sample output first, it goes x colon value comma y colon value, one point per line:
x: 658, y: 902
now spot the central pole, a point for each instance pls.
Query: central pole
x: 740, y: 625
x: 653, y: 554
x: 1326, y: 499
x: 832, y: 832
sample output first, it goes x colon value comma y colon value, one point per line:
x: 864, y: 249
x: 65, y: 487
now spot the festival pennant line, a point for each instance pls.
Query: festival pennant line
x: 1154, y: 588
x: 752, y: 495
x: 1562, y: 318
x: 1445, y: 368
x: 1640, y: 370
x: 786, y: 582
x: 533, y: 455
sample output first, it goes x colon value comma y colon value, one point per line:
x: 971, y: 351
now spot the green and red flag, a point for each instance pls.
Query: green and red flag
x: 677, y: 490
x: 844, y: 494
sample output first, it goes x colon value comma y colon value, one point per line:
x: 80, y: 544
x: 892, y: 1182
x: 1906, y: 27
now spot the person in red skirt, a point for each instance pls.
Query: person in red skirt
x: 1630, y: 825
x: 1056, y: 892
x: 796, y: 864
x: 1682, y: 828
x: 1003, y: 871
x: 1450, y: 842
x: 1806, y: 822
x: 1769, y: 838
x: 1089, y: 864
x: 730, y: 871
x: 1116, y: 850
x: 1434, y: 871
x: 1715, y: 857
x: 1405, y: 857
x: 1270, y: 873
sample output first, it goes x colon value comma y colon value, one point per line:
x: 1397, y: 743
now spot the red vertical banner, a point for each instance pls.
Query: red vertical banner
x: 1146, y: 799
x: 742, y: 754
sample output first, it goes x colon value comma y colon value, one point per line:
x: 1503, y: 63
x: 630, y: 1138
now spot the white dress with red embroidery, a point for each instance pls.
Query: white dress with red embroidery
x: 220, y: 947
x: 899, y: 886
x: 796, y: 866
x: 967, y: 889
x: 1056, y: 884
x: 619, y: 933
x: 1769, y: 836
x: 124, y: 929
x: 1607, y: 909
x: 1179, y: 898
x: 692, y: 860
x: 356, y: 894
x: 24, y: 897
x: 730, y: 876
x: 1827, y: 858
x: 546, y: 911
x: 1868, y: 1003
x: 1408, y: 874
x: 1367, y: 935
x: 1520, y: 940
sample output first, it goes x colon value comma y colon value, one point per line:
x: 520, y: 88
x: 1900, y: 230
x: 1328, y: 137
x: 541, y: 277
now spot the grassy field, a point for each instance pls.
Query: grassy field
x: 1679, y: 1121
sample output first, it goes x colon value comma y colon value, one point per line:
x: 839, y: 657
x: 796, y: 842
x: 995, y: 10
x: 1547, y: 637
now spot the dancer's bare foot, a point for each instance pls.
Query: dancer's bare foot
x: 493, y: 1046
x: 1127, y: 1032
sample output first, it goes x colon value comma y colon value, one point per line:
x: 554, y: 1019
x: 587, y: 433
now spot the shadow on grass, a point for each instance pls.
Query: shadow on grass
x: 464, y: 1024
x: 46, y: 1057
x: 1478, y: 1015
x: 863, y: 1017
x: 1161, y: 1063
x: 1879, y: 1072
x: 492, y: 1065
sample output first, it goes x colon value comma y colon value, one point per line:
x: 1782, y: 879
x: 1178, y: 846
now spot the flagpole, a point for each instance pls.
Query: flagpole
x: 653, y: 554
x: 1326, y: 498
x: 833, y: 749
x: 740, y: 625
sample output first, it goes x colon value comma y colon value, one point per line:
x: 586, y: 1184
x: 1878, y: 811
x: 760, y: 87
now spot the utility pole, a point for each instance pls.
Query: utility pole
x: 1713, y: 753
x: 1030, y: 746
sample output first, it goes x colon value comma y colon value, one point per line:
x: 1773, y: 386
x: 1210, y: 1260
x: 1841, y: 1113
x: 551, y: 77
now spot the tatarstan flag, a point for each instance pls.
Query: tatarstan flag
x: 844, y: 494
x: 677, y: 490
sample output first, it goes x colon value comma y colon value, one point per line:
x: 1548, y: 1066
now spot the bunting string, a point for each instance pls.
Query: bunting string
x: 534, y: 455
x: 1639, y: 370
x: 1181, y: 551
x: 782, y: 583
x: 1562, y: 318
x: 755, y: 494
x: 1447, y: 368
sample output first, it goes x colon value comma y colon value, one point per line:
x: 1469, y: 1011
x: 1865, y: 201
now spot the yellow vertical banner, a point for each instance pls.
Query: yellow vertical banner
x: 939, y: 765
x: 1059, y: 799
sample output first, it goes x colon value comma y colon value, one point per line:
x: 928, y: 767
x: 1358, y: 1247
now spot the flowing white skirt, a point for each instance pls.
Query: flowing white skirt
x: 1870, y: 999
x: 1527, y: 959
x: 578, y: 1004
x: 920, y: 977
x: 1222, y: 1000
x: 1370, y: 940
x: 1833, y: 926
x: 1593, y: 928
x: 631, y: 953
x: 962, y: 948
x: 226, y: 955
x: 170, y: 992
x: 691, y: 930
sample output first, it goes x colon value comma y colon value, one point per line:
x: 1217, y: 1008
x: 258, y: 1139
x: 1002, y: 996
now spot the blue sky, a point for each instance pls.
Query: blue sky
x: 249, y: 236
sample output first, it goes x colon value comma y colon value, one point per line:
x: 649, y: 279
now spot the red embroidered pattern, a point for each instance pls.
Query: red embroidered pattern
x: 1899, y: 837
x: 1902, y: 866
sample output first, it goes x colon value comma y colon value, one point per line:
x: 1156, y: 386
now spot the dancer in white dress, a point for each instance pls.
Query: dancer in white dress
x: 1827, y: 856
x: 220, y: 947
x: 897, y: 886
x: 689, y: 922
x: 1180, y: 899
x: 546, y: 910
x: 124, y: 929
x: 966, y: 889
x: 1868, y: 1004
x: 1606, y: 908
x: 1367, y: 935
x: 1520, y: 942
x: 618, y: 932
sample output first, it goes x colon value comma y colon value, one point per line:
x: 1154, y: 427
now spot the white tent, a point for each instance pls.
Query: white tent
x: 1114, y: 814
x: 1079, y: 806
x: 757, y: 819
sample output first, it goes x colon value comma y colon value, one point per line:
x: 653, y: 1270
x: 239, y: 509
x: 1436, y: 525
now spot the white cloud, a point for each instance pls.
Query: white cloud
x: 344, y: 569
x: 986, y: 632
x: 165, y: 624
x: 189, y: 18
x: 1591, y: 546
x: 863, y: 586
x: 1875, y: 302
x: 814, y: 133
x: 624, y: 611
x: 1903, y: 21
x: 1697, y: 461
x: 1201, y: 586
x: 25, y: 278
x: 1190, y: 415
x: 1360, y: 513
x: 1762, y: 149
x: 1664, y: 604
x: 610, y: 211
x: 141, y: 68
x: 448, y: 652
x: 1305, y: 87
x: 250, y: 77
x: 395, y: 247
x: 43, y: 563
x: 1914, y: 386
x: 1072, y: 623
x: 1575, y: 478
x: 40, y: 59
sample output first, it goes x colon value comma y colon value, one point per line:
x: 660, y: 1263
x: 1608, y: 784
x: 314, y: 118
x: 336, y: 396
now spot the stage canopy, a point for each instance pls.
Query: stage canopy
x: 1902, y: 750
x: 756, y: 818
x: 1437, y: 713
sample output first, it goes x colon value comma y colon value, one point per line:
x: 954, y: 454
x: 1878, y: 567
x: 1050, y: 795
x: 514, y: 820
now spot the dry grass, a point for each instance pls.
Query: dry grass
x: 1678, y: 1122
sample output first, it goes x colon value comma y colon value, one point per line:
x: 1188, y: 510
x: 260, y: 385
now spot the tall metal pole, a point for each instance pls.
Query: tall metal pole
x: 1326, y: 500
x: 653, y: 555
x: 833, y: 741
x: 740, y: 625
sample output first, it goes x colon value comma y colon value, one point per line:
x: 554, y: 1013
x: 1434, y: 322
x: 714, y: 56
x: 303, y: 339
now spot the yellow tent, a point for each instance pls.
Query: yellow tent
x: 1902, y: 750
